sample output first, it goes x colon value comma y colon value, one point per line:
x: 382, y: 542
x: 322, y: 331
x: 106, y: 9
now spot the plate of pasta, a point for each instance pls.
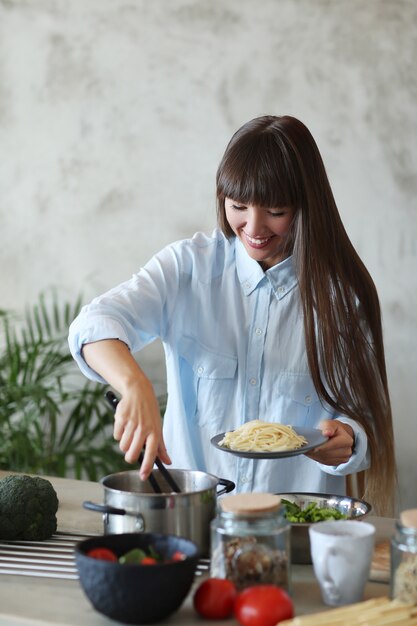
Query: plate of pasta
x: 258, y: 439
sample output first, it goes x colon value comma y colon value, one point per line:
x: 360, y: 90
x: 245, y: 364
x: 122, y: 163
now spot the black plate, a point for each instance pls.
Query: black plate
x: 313, y: 435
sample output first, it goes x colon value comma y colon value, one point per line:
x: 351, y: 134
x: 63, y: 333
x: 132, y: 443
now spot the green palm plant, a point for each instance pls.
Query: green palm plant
x: 53, y: 421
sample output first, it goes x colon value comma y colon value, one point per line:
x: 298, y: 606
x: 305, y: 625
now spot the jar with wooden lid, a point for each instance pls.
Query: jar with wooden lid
x: 250, y: 541
x: 404, y: 558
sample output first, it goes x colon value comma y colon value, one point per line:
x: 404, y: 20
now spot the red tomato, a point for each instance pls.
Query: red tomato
x: 102, y: 553
x: 215, y: 598
x: 178, y: 556
x: 263, y: 605
x: 148, y: 560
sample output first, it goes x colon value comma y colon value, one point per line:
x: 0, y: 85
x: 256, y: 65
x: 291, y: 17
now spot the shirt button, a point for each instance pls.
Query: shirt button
x: 200, y: 370
x: 307, y: 399
x: 253, y: 381
x: 247, y: 285
x: 281, y: 290
x: 258, y: 331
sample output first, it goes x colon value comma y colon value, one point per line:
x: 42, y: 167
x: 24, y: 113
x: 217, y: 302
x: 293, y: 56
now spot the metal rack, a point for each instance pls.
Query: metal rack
x: 52, y: 558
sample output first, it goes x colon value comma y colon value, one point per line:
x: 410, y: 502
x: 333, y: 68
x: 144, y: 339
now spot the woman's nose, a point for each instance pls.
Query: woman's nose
x: 254, y: 222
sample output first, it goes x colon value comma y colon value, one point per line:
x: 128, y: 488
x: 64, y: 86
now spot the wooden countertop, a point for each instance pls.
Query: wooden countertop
x: 34, y: 601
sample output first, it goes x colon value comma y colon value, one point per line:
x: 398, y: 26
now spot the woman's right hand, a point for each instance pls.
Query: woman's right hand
x: 138, y: 421
x: 138, y: 425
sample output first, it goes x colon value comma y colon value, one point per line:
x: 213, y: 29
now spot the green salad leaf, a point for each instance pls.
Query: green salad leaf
x: 133, y: 556
x: 311, y: 513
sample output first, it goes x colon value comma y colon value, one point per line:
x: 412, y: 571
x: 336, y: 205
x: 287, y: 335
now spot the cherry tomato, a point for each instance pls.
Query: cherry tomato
x: 148, y: 560
x: 215, y: 598
x: 178, y: 556
x: 105, y: 554
x: 263, y: 605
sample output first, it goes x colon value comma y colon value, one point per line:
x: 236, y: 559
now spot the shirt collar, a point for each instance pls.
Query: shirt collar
x: 282, y: 277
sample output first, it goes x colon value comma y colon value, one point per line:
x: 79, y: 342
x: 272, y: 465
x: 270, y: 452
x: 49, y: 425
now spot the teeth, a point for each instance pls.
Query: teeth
x: 257, y: 241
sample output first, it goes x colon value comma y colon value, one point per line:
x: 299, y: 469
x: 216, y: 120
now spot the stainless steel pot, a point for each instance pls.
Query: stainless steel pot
x: 130, y: 505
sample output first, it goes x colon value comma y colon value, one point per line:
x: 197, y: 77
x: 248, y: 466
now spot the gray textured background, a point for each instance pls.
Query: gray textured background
x: 115, y: 113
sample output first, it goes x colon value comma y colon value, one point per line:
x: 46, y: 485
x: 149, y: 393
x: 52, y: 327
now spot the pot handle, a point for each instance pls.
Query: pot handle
x: 229, y: 485
x: 102, y: 508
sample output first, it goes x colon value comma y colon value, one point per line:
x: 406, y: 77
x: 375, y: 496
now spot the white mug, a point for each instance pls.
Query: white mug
x: 341, y: 552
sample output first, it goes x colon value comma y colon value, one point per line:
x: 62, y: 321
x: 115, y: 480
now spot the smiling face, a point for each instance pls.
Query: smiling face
x: 263, y: 232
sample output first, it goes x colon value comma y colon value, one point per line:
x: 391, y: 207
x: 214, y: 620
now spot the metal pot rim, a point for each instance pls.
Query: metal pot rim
x: 115, y: 490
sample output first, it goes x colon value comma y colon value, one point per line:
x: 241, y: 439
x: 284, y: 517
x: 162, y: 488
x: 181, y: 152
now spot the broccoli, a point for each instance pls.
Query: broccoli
x: 28, y: 507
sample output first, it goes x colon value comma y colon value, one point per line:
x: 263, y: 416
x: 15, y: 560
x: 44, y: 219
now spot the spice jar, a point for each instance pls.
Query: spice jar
x: 404, y: 558
x: 250, y: 541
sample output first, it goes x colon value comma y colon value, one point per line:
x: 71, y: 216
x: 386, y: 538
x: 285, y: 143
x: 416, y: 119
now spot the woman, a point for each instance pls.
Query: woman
x: 272, y: 317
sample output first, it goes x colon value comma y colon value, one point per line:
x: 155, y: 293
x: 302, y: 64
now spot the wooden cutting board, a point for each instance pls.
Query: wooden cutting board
x: 380, y: 566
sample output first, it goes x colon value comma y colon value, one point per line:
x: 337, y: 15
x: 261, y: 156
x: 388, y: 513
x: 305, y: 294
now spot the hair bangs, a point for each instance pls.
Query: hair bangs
x: 257, y: 173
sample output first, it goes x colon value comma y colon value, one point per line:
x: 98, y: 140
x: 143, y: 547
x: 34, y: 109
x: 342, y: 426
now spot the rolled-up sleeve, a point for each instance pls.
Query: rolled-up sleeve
x: 88, y: 328
x: 136, y: 312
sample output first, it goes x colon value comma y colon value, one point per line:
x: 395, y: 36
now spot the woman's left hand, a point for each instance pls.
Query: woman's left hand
x: 339, y: 448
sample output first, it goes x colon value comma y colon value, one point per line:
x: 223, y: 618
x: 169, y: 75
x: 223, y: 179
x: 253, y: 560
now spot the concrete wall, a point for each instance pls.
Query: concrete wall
x: 114, y: 114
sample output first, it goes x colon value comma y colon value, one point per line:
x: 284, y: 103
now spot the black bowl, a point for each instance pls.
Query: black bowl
x: 134, y: 593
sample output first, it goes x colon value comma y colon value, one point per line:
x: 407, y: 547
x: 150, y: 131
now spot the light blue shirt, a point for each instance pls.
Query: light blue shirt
x: 235, y: 351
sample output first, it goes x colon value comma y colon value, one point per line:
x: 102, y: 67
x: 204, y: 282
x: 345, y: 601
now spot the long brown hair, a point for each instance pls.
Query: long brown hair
x: 275, y: 162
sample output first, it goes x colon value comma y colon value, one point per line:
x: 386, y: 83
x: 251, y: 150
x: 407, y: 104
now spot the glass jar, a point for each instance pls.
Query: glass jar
x: 250, y: 541
x: 404, y: 558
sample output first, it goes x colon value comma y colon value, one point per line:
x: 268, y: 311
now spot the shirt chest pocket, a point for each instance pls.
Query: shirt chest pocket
x: 298, y: 399
x: 214, y: 382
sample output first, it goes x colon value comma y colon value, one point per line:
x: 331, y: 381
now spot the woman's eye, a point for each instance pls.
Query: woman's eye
x: 238, y: 207
x: 276, y: 213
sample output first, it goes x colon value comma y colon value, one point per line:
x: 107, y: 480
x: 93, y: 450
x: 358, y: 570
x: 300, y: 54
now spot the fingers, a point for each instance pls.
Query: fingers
x: 138, y: 426
x: 163, y: 454
x: 339, y: 447
x: 127, y: 436
x: 119, y: 425
x: 149, y: 456
x: 329, y: 427
x: 330, y: 456
x: 133, y: 450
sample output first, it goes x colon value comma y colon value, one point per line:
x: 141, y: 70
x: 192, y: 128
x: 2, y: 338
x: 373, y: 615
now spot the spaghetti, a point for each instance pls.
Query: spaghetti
x: 259, y: 436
